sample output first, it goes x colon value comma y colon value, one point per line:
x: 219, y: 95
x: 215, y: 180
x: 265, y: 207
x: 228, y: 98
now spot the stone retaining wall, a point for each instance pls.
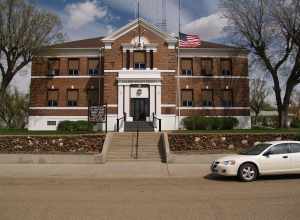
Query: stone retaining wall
x: 52, y: 144
x: 220, y: 143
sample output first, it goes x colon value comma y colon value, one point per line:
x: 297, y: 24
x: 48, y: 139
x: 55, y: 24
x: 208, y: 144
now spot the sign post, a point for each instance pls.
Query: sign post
x: 98, y: 114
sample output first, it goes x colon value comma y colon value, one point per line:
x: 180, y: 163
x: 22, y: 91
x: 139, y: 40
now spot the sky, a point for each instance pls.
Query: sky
x: 93, y: 18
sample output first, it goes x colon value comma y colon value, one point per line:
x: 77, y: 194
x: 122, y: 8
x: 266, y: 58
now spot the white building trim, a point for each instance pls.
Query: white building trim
x: 65, y: 77
x: 137, y: 70
x: 213, y: 108
x: 168, y: 105
x: 58, y: 108
x: 213, y: 77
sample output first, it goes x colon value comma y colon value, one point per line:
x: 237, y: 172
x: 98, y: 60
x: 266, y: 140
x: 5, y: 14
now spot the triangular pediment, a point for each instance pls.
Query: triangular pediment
x: 134, y: 24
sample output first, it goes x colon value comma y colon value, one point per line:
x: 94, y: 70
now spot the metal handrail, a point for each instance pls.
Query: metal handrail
x: 155, y: 119
x: 137, y: 141
x: 120, y: 119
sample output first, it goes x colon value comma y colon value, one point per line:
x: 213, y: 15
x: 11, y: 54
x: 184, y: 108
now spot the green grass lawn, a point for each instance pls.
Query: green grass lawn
x: 241, y: 131
x: 4, y: 131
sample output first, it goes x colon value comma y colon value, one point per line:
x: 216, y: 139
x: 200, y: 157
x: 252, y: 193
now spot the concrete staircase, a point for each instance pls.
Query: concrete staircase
x: 123, y: 147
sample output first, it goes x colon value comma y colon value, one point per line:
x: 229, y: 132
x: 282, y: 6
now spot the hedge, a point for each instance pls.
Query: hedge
x: 210, y: 123
x: 75, y: 126
x: 295, y: 123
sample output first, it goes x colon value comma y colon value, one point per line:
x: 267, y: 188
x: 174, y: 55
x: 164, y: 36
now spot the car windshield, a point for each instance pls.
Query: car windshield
x: 255, y: 150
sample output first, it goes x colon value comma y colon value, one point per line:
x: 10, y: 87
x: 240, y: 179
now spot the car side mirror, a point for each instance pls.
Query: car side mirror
x: 267, y: 154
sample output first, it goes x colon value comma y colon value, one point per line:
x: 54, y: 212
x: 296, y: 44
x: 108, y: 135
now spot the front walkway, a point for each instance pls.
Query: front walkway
x: 108, y: 170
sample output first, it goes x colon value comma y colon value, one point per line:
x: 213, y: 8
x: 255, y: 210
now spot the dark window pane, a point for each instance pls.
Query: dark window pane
x: 72, y: 103
x: 295, y: 148
x: 51, y: 123
x: 187, y: 97
x: 206, y: 66
x: 226, y: 67
x: 280, y: 149
x: 207, y: 98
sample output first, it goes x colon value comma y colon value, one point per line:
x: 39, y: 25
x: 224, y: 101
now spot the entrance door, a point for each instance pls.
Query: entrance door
x: 139, y: 109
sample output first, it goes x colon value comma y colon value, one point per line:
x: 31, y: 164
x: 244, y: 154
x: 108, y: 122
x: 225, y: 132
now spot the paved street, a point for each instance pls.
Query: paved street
x: 195, y: 195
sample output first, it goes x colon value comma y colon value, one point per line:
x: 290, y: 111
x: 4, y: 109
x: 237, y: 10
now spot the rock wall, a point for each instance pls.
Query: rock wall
x: 220, y: 143
x: 52, y: 144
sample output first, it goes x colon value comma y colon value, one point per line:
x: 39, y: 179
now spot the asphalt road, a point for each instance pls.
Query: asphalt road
x: 149, y: 198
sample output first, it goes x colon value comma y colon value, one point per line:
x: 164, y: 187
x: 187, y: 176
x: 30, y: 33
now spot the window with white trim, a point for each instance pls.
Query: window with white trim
x: 187, y: 97
x: 72, y: 97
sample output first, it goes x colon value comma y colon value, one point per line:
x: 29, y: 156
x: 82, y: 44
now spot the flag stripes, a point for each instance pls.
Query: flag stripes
x: 187, y: 40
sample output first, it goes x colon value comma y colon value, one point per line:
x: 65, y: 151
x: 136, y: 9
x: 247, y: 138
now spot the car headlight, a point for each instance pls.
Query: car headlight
x: 228, y: 162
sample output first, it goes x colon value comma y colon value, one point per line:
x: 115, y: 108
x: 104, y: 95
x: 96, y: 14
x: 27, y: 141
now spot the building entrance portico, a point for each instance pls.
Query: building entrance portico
x: 139, y: 95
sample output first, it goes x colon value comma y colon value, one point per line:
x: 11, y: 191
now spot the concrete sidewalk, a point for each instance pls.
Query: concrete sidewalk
x: 183, y: 165
x: 108, y: 170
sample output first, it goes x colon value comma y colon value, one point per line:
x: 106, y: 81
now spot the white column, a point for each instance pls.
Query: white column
x: 127, y: 102
x: 120, y: 101
x: 158, y: 100
x: 152, y: 100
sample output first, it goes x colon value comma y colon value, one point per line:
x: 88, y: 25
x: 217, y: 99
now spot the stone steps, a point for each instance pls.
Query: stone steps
x: 123, y: 147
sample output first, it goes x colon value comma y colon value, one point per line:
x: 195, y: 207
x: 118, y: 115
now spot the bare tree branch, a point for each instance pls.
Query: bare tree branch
x: 24, y: 31
x: 271, y: 30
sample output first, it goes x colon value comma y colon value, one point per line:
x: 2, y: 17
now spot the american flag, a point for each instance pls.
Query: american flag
x: 187, y: 40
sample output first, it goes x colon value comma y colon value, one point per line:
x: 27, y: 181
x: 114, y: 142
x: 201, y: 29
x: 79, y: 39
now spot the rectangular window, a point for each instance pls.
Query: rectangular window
x: 51, y: 123
x: 52, y: 97
x: 139, y: 58
x: 72, y: 97
x: 206, y: 66
x: 226, y: 67
x: 226, y: 98
x: 128, y: 59
x: 73, y: 67
x: 187, y: 67
x: 207, y: 97
x: 187, y: 97
x: 53, y: 67
x: 93, y: 97
x: 93, y: 67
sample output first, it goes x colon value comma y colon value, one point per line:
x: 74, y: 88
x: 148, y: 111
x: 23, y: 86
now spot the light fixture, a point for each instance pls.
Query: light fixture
x: 187, y: 86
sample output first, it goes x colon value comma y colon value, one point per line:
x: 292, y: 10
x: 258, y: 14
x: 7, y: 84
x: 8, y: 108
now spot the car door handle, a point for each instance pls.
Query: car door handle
x: 285, y: 157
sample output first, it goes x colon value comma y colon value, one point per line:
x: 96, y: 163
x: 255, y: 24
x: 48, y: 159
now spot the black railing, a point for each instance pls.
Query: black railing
x: 137, y: 141
x: 155, y: 120
x: 121, y: 119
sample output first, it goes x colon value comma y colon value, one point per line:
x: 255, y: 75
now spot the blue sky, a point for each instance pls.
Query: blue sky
x: 91, y: 18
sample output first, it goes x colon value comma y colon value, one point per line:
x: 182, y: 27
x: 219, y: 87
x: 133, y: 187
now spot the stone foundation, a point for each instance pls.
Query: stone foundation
x: 51, y: 144
x: 220, y: 143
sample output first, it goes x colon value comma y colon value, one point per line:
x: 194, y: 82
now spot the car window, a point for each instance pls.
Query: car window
x: 280, y: 149
x: 295, y: 148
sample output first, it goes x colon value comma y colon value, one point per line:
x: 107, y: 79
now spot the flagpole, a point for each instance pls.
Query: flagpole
x: 178, y: 65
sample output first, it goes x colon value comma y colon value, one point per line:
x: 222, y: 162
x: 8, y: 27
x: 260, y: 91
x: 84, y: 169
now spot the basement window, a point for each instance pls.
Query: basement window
x: 51, y: 123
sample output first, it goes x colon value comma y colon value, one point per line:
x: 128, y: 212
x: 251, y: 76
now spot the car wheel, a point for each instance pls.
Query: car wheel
x: 248, y: 172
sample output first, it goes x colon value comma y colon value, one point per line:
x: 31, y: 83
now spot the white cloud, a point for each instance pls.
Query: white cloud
x: 152, y: 11
x: 207, y: 28
x: 83, y: 13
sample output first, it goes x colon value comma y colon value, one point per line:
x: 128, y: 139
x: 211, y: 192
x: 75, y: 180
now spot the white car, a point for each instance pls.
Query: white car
x: 268, y: 158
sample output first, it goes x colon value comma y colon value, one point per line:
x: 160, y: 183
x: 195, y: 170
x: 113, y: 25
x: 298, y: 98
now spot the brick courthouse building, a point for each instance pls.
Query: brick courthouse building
x: 139, y: 80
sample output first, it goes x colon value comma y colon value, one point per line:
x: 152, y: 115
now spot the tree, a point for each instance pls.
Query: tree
x: 24, y: 31
x: 258, y: 94
x: 270, y: 29
x: 14, y: 110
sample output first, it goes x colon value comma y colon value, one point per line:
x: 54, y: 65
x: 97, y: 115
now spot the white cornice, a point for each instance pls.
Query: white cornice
x: 132, y: 25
